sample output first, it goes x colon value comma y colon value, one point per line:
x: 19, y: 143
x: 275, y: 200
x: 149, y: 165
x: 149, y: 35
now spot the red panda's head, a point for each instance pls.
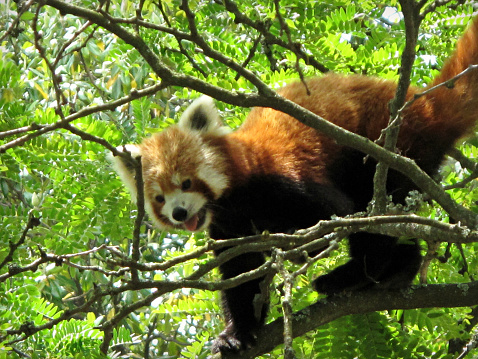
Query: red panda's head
x: 183, y: 169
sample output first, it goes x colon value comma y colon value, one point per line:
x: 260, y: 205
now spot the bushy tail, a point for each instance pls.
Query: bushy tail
x: 456, y: 108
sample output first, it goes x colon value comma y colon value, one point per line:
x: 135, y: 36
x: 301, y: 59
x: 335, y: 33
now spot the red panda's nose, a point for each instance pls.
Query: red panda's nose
x: 180, y: 214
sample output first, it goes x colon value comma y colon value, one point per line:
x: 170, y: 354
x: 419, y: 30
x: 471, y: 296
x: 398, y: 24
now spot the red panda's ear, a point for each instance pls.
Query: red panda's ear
x: 202, y: 116
x: 125, y: 169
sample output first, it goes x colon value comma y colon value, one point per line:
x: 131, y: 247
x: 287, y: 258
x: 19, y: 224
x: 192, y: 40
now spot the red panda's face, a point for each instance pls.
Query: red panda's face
x: 179, y: 204
x: 184, y: 170
x: 182, y: 176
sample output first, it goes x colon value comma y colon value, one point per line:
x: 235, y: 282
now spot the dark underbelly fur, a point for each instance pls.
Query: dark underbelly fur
x: 279, y: 204
x: 275, y: 204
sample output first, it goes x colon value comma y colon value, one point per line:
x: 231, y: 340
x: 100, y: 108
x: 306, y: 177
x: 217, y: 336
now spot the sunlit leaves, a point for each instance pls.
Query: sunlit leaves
x: 67, y: 181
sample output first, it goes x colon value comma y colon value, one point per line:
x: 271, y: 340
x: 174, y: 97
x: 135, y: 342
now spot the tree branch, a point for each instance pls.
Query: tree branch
x: 410, y: 12
x: 32, y: 223
x: 63, y: 123
x: 327, y: 310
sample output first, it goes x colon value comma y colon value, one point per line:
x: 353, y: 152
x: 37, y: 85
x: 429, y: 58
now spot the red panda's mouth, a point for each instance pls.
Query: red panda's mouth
x: 196, y: 221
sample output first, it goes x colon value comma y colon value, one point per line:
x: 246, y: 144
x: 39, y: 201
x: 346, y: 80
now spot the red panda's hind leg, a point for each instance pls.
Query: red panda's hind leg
x: 377, y: 261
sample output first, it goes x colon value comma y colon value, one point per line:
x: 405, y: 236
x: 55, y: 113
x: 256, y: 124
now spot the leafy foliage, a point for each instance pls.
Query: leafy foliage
x: 64, y: 282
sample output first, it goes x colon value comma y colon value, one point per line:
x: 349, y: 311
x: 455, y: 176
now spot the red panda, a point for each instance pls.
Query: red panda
x: 276, y: 174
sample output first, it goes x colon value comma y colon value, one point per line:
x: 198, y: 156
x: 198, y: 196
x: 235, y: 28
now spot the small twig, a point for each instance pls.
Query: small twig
x: 135, y: 94
x: 471, y: 345
x: 135, y: 255
x: 293, y: 46
x: 454, y: 152
x: 464, y: 268
x: 29, y: 330
x: 23, y: 9
x: 20, y: 353
x: 32, y: 127
x: 431, y: 254
x: 178, y: 36
x: 89, y: 137
x: 60, y: 97
x: 286, y: 300
x: 434, y: 4
x: 84, y: 253
x: 98, y: 269
x: 165, y: 16
x: 58, y: 260
x: 252, y: 52
x: 263, y: 28
x: 448, y: 84
x: 90, y: 75
x: 462, y: 184
x: 75, y: 35
x: 167, y: 339
x: 218, y: 56
x: 333, y: 240
x: 464, y: 161
x: 32, y: 223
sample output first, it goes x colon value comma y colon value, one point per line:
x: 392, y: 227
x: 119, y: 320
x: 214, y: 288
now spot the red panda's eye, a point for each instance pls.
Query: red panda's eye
x: 186, y: 184
x: 159, y: 198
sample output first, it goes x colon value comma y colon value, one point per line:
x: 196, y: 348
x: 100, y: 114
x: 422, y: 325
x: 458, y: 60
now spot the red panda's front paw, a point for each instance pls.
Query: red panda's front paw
x: 228, y: 342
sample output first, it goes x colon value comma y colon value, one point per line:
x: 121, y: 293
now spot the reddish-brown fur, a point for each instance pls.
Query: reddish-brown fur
x: 271, y: 142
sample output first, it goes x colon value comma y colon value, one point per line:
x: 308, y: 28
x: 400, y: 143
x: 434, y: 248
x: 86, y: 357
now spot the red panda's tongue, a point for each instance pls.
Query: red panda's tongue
x: 192, y: 223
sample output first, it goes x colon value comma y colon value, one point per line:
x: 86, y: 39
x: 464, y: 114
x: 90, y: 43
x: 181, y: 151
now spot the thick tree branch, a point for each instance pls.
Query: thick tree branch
x: 327, y: 310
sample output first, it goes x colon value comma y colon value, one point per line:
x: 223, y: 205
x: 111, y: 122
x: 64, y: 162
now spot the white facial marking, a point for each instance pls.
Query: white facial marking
x: 176, y: 179
x: 208, y: 171
x: 190, y: 201
x: 216, y: 180
x: 157, y: 189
